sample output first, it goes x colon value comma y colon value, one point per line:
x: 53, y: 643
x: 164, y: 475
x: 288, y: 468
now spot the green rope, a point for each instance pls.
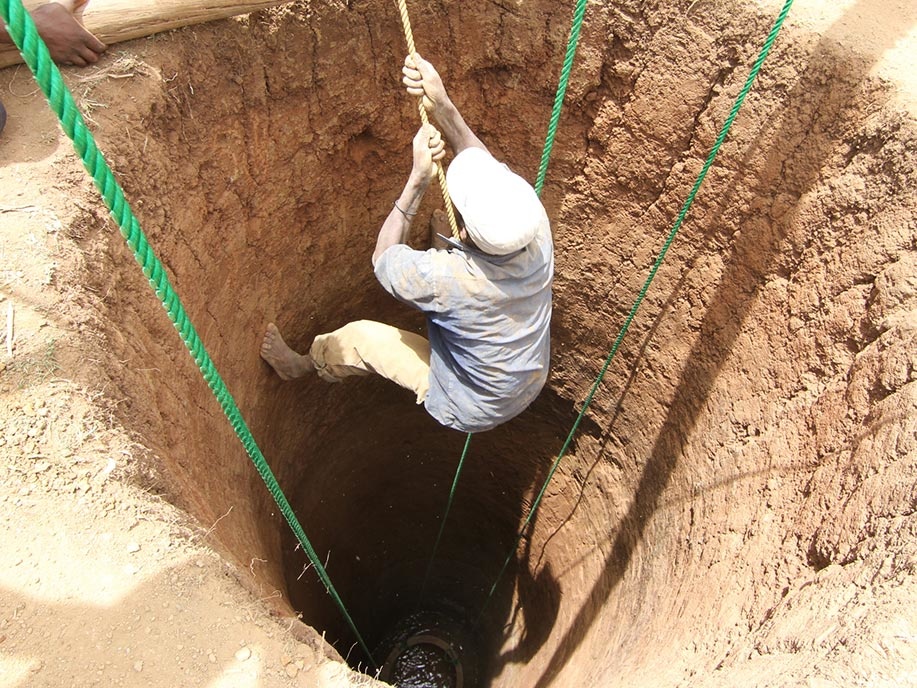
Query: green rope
x: 668, y: 242
x: 578, y: 14
x: 35, y: 53
x: 442, y: 525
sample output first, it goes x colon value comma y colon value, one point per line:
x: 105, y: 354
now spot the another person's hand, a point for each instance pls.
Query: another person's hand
x: 67, y: 40
x: 423, y: 81
x: 429, y: 148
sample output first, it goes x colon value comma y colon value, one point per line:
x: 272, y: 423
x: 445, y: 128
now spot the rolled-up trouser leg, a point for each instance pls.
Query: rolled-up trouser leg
x: 366, y: 346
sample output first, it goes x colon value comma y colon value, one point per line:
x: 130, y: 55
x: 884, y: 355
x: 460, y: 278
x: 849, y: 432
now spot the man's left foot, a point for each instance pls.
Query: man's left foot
x: 288, y: 364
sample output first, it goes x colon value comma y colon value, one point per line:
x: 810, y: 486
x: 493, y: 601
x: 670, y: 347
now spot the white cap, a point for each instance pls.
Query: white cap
x: 501, y: 210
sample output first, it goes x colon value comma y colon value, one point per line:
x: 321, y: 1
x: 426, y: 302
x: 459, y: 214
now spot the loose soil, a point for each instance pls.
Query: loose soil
x: 739, y: 504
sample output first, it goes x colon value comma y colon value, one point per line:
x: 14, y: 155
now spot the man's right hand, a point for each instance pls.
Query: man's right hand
x: 67, y: 40
x: 422, y: 81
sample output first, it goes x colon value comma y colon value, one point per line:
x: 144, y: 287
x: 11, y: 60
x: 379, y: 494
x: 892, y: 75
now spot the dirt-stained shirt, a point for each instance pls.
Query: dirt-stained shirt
x: 488, y: 321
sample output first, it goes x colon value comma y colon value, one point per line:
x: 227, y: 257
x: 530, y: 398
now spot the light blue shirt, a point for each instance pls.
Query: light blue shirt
x: 488, y: 321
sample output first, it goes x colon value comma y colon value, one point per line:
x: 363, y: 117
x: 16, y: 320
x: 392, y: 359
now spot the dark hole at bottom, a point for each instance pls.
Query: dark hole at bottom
x: 430, y: 649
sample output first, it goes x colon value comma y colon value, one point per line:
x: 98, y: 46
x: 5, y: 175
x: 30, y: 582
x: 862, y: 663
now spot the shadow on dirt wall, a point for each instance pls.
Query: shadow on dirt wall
x: 822, y: 96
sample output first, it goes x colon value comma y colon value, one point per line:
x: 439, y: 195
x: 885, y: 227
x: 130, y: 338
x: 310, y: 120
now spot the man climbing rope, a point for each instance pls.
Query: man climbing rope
x: 487, y: 298
x: 59, y: 26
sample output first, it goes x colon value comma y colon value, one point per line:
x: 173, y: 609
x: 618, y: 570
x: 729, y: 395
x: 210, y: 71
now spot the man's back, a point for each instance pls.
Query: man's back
x: 488, y: 325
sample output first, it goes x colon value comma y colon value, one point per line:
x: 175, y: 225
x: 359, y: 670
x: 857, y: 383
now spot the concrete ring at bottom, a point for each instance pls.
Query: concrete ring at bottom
x: 425, y: 639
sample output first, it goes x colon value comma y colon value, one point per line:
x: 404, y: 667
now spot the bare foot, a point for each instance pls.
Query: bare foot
x: 288, y: 364
x: 439, y: 224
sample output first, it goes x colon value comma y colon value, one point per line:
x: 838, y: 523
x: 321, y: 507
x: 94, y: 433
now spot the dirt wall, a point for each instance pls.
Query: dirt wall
x: 739, y: 501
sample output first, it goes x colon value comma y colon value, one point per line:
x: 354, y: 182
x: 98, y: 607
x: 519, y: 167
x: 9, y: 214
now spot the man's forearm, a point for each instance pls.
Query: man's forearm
x: 454, y: 129
x: 397, y: 225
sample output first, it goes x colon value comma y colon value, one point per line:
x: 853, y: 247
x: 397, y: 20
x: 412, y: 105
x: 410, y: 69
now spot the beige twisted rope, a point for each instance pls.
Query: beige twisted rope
x: 440, y: 172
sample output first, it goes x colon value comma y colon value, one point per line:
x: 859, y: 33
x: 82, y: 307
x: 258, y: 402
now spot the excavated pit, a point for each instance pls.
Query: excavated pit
x: 744, y: 463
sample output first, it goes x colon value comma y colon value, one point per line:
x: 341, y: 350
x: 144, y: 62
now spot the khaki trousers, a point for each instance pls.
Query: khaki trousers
x: 366, y: 346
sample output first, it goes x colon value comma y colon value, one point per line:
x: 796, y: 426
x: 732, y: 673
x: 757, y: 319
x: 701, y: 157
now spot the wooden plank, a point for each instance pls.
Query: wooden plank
x: 114, y: 21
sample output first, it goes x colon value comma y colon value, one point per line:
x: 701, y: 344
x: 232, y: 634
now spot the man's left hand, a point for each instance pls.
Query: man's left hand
x: 429, y: 149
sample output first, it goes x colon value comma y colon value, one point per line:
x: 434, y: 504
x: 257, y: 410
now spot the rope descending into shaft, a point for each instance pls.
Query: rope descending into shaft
x: 578, y: 13
x: 424, y: 118
x: 442, y: 525
x: 453, y: 226
x: 35, y: 53
x: 765, y: 49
